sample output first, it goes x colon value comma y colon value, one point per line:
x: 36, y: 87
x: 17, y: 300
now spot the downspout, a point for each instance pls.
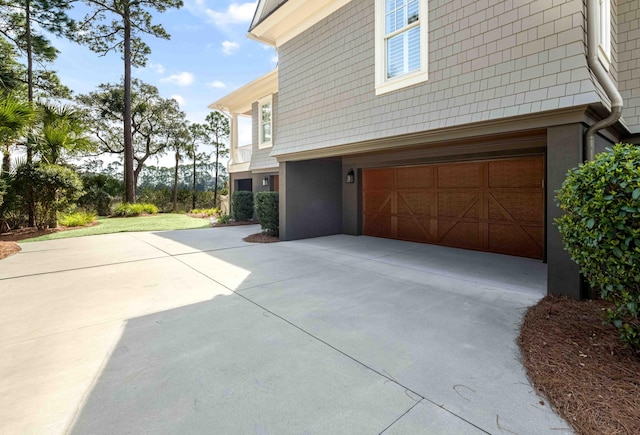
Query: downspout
x: 603, y: 78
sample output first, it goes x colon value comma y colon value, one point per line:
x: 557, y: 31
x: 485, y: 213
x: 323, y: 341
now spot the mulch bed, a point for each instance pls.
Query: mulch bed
x: 27, y: 233
x: 581, y: 366
x: 234, y: 224
x: 8, y: 248
x: 8, y: 239
x: 261, y: 238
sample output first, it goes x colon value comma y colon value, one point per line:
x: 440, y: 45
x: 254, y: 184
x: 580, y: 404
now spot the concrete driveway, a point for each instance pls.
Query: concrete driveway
x: 199, y: 332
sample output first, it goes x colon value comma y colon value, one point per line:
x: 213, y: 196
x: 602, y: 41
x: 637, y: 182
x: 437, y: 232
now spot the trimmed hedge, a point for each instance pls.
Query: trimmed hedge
x: 242, y: 205
x: 601, y: 231
x: 267, y: 212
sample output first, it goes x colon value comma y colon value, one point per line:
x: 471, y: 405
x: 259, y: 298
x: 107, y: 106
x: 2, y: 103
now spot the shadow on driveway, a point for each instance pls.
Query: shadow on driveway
x: 333, y: 335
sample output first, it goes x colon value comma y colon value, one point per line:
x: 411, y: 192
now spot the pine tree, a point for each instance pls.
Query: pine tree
x: 129, y: 19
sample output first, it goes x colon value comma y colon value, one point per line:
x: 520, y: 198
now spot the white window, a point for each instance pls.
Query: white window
x: 604, y: 33
x: 265, y: 122
x: 401, y: 44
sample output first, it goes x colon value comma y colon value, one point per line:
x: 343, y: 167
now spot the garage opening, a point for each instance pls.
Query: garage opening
x: 493, y: 205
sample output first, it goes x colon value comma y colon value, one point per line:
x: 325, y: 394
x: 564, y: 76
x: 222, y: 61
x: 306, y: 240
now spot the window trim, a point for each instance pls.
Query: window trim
x: 384, y: 84
x: 604, y: 33
x: 261, y: 102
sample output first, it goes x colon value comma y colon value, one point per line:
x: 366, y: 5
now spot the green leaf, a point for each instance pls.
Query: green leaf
x: 590, y: 223
x: 617, y: 252
x: 636, y: 193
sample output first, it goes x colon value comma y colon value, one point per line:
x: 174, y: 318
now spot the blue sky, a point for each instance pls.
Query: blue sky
x: 207, y: 57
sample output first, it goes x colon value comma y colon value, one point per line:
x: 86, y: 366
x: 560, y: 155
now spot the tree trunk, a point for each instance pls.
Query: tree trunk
x: 6, y: 161
x: 215, y: 181
x: 129, y: 176
x: 27, y: 14
x: 193, y: 199
x: 175, y: 183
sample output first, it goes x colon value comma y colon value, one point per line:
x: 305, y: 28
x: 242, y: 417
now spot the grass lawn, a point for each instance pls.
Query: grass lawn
x: 160, y: 222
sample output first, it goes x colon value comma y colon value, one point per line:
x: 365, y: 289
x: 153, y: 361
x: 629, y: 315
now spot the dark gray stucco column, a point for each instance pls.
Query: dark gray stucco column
x: 564, y: 151
x: 310, y: 198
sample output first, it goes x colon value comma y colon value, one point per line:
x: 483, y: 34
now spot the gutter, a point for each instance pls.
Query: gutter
x: 603, y: 78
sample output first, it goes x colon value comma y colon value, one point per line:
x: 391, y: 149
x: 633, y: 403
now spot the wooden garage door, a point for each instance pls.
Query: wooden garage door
x: 495, y: 205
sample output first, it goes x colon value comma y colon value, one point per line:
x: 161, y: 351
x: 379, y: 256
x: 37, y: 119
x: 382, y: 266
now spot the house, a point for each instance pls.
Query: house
x: 250, y: 166
x: 446, y: 121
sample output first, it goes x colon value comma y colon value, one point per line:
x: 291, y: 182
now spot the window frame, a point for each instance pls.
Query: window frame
x: 382, y: 83
x: 263, y: 102
x: 604, y: 33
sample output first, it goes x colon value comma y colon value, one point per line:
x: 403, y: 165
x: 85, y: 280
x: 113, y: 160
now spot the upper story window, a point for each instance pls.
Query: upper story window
x: 604, y: 33
x: 401, y: 44
x: 265, y: 123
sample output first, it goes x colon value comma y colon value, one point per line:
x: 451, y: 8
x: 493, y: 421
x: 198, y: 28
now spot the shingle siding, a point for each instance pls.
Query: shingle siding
x: 260, y: 158
x: 487, y: 60
x: 628, y: 16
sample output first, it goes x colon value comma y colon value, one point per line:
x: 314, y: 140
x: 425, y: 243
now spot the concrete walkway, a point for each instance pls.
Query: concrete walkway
x: 199, y: 332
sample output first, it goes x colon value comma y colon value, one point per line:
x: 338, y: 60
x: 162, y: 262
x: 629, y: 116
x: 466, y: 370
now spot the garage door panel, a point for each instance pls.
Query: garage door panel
x: 415, y: 202
x: 419, y: 177
x: 459, y: 175
x: 458, y: 204
x: 377, y: 202
x: 414, y: 229
x: 515, y: 206
x: 379, y: 179
x: 495, y: 206
x: 459, y: 234
x: 512, y: 240
x: 378, y: 226
x: 525, y: 172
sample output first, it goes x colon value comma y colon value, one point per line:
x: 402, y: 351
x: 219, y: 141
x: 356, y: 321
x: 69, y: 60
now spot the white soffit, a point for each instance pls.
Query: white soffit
x: 240, y: 100
x: 291, y: 19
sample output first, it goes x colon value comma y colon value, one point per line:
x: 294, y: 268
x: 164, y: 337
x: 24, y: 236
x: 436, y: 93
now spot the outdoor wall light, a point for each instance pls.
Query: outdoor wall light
x: 265, y: 181
x: 351, y: 177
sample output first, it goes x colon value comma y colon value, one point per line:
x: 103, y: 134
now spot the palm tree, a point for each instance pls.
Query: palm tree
x: 15, y: 117
x: 61, y: 131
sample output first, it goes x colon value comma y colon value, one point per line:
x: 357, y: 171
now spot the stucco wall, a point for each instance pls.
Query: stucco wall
x: 488, y: 60
x: 311, y: 200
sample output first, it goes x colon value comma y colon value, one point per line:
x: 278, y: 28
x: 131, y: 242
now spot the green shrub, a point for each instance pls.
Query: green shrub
x: 129, y: 210
x: 267, y: 212
x: 53, y: 187
x: 601, y: 231
x: 242, y: 205
x: 100, y: 191
x: 77, y: 219
x: 224, y: 219
x: 207, y: 212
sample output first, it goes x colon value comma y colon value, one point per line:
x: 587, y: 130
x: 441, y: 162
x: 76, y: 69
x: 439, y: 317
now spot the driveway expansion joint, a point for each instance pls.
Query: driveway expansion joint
x: 408, y: 391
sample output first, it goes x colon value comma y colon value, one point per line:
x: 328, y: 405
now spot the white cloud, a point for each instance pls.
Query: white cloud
x: 156, y: 67
x: 274, y: 60
x: 236, y: 13
x: 229, y: 47
x: 180, y: 99
x: 216, y: 84
x: 181, y: 79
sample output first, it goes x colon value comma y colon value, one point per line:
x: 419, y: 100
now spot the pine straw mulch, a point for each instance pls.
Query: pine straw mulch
x: 581, y: 366
x: 8, y: 248
x: 261, y: 238
x: 8, y: 245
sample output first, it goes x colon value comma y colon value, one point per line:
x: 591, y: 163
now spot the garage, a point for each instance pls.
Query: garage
x: 491, y: 205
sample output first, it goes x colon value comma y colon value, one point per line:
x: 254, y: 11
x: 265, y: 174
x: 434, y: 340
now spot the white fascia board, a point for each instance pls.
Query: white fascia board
x: 293, y: 18
x: 241, y: 100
